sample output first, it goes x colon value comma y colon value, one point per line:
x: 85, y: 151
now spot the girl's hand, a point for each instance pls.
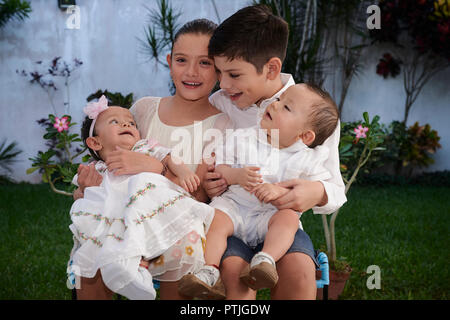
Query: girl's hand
x: 123, y: 161
x: 189, y: 181
x: 248, y: 177
x: 213, y: 182
x: 88, y: 176
x: 304, y: 195
x: 267, y: 192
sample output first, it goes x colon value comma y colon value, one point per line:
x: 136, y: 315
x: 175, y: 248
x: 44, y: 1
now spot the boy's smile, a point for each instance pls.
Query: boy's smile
x: 241, y: 81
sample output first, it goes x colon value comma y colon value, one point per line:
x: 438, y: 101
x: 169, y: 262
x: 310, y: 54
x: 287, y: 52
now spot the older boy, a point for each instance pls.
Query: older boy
x: 249, y: 48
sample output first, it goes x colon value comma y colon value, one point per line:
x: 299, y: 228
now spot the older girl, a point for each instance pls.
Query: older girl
x: 187, y: 111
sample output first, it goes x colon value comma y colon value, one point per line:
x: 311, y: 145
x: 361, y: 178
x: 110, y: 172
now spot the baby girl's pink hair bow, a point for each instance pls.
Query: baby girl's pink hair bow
x: 93, y: 109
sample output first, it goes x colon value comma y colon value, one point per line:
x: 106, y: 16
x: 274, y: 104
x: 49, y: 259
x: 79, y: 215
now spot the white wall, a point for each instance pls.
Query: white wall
x: 107, y: 43
x: 112, y: 59
x: 386, y: 97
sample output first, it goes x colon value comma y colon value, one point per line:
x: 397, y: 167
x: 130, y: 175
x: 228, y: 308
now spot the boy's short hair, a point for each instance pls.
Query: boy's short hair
x: 253, y: 34
x: 324, y: 116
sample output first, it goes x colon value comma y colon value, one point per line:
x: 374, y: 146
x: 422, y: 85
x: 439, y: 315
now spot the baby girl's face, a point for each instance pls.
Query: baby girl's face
x: 289, y: 114
x: 116, y: 127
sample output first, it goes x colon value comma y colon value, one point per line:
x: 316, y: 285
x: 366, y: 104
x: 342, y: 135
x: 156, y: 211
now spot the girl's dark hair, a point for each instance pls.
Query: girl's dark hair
x: 85, y: 134
x: 197, y: 26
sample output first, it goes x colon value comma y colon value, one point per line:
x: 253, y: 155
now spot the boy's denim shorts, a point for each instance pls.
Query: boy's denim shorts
x: 302, y: 243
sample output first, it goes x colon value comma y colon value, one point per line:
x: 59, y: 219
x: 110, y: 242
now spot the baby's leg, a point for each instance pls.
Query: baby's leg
x: 216, y: 239
x: 205, y: 283
x: 281, y: 232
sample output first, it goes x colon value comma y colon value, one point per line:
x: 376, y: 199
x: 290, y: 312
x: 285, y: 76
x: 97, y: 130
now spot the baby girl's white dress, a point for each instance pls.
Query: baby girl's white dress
x: 129, y: 217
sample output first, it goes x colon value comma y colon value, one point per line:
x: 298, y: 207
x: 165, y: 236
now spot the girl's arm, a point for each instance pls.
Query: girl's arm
x: 187, y: 179
x: 123, y: 161
x: 88, y: 176
x: 199, y: 194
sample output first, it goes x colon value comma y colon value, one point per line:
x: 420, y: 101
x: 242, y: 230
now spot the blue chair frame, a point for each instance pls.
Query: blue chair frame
x: 324, y: 281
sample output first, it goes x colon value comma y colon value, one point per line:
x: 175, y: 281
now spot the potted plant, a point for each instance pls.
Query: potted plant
x: 355, y: 150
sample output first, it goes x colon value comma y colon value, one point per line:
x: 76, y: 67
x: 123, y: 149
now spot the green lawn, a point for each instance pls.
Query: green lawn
x: 403, y: 230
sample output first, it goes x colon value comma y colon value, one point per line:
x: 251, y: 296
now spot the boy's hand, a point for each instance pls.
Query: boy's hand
x: 267, y: 192
x: 213, y: 182
x: 88, y: 176
x: 302, y: 195
x: 189, y: 181
x: 248, y: 177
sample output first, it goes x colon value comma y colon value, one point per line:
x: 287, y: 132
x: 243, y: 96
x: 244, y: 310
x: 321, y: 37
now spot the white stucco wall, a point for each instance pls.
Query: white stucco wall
x: 386, y: 97
x: 107, y: 43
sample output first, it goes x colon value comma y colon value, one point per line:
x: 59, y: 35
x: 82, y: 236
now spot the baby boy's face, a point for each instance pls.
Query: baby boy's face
x: 290, y: 114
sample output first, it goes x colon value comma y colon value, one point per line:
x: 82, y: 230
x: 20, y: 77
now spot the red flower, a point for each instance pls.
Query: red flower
x: 388, y: 65
x: 444, y: 28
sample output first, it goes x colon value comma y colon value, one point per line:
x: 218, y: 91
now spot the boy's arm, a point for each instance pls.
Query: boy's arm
x: 323, y: 195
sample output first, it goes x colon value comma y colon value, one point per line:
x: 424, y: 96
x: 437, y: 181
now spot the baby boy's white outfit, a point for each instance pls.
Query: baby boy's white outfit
x: 249, y: 147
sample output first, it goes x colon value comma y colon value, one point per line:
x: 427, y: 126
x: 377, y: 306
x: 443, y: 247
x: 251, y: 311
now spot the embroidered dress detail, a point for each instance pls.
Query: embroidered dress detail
x: 98, y: 217
x: 159, y: 209
x: 139, y: 193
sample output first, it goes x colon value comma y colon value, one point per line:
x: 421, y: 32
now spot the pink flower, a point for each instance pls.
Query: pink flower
x: 61, y: 124
x: 176, y: 253
x: 193, y: 236
x: 360, y: 132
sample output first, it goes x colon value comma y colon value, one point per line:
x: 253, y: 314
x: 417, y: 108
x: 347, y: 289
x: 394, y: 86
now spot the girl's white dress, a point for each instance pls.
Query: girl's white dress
x: 187, y: 254
x: 129, y: 217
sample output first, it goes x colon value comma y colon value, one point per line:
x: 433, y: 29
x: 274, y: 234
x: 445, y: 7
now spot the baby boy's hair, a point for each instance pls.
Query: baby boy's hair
x: 197, y: 26
x: 253, y: 34
x: 85, y: 134
x: 324, y: 115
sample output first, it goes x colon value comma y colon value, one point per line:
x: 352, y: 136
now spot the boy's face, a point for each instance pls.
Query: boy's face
x: 290, y: 114
x: 192, y: 70
x: 116, y: 127
x: 241, y: 81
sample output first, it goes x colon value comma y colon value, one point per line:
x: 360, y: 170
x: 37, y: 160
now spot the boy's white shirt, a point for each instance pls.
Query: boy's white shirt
x: 334, y: 186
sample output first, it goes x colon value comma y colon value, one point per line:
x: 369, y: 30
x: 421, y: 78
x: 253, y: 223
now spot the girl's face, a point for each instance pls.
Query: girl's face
x: 114, y: 127
x: 192, y: 71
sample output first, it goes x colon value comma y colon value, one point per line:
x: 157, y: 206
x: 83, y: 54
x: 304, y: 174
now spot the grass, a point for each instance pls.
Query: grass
x: 403, y: 230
